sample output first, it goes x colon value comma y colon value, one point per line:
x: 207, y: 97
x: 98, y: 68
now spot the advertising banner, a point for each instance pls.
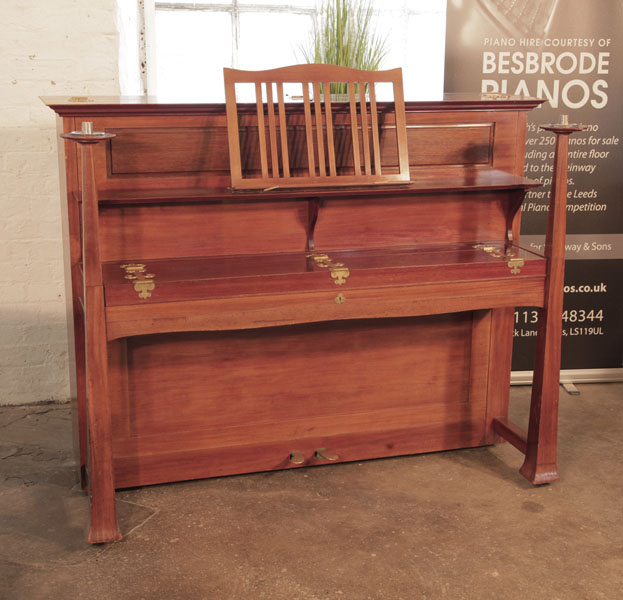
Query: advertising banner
x: 570, y: 54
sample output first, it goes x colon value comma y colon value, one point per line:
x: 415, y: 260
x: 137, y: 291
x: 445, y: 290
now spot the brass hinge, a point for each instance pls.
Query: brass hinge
x: 513, y: 262
x: 143, y: 282
x: 339, y: 271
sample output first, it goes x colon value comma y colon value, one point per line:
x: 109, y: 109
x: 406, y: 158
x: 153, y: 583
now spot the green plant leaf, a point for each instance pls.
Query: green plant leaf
x: 343, y: 35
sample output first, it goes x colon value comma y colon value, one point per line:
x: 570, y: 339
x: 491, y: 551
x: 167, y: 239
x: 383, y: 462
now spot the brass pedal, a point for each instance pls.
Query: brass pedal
x: 324, y: 454
x: 296, y: 457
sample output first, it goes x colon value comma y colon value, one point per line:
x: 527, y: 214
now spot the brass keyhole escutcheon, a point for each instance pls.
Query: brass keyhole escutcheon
x: 340, y: 299
x: 296, y: 457
x: 324, y: 454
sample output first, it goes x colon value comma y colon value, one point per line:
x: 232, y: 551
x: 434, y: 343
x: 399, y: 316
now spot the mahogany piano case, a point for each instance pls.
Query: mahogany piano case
x: 246, y: 331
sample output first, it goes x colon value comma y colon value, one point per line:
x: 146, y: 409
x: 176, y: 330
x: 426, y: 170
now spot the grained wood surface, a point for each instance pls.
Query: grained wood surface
x: 541, y: 443
x: 152, y: 106
x: 321, y: 149
x: 411, y: 353
x: 300, y: 385
x: 186, y: 151
x: 284, y: 309
x: 237, y: 275
x: 198, y: 228
x: 427, y: 181
x: 101, y: 485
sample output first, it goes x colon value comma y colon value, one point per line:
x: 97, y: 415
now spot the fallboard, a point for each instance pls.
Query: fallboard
x: 214, y: 277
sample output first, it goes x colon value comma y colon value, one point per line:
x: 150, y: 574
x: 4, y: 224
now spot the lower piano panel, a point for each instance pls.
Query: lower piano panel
x: 203, y: 404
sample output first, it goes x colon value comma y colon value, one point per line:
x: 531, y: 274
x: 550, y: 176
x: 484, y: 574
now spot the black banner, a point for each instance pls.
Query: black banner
x: 569, y: 53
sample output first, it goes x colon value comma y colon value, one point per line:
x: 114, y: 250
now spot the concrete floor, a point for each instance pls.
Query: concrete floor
x: 456, y: 525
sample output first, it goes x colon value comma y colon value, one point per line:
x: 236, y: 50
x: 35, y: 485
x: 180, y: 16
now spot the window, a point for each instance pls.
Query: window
x: 189, y: 43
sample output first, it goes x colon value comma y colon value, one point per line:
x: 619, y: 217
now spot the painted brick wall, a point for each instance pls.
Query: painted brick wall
x: 66, y: 47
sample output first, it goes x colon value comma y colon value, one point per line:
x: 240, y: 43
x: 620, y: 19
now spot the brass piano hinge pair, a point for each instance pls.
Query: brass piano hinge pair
x: 298, y: 458
x: 143, y: 282
x: 513, y: 261
x: 339, y: 272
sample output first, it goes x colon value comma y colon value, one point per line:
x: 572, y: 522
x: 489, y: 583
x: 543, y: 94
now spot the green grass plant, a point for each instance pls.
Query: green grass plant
x: 343, y: 35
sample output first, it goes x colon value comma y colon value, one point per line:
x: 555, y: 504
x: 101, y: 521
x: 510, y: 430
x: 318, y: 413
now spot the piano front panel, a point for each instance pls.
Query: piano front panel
x: 201, y: 229
x: 185, y: 152
x: 252, y: 390
x: 420, y: 219
x: 206, y: 229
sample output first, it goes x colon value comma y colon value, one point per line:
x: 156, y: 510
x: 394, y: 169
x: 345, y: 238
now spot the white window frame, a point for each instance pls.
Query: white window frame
x: 235, y: 9
x: 147, y: 41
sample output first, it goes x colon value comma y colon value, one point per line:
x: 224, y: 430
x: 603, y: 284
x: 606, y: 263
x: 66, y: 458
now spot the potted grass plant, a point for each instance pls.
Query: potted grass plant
x: 344, y: 35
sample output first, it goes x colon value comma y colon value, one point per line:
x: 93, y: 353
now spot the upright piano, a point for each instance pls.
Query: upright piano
x: 218, y: 331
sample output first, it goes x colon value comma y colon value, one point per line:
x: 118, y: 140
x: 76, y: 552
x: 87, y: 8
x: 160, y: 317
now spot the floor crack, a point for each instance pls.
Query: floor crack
x: 28, y: 414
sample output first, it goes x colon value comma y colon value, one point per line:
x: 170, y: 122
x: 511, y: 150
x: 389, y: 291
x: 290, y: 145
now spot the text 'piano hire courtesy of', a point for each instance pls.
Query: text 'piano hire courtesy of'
x: 299, y: 280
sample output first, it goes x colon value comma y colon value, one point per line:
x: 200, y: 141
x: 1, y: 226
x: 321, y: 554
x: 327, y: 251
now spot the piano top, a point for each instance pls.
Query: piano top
x: 76, y: 106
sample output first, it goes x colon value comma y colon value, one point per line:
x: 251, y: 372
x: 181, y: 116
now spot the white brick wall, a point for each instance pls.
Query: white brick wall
x: 65, y: 47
